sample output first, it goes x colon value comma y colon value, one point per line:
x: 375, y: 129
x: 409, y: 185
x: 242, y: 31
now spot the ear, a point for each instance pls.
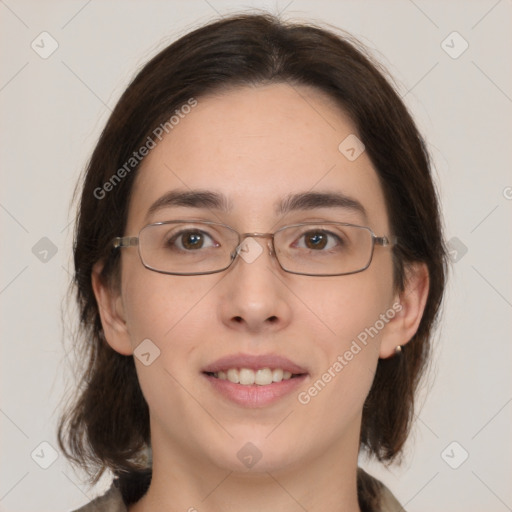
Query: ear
x: 409, y: 306
x: 110, y: 306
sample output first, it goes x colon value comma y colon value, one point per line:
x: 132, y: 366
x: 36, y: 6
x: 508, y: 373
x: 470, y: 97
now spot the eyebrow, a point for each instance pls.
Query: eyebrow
x: 191, y: 199
x: 204, y: 199
x: 314, y: 200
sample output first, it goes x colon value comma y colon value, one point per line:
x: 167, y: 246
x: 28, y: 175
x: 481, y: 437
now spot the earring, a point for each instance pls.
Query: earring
x: 398, y: 350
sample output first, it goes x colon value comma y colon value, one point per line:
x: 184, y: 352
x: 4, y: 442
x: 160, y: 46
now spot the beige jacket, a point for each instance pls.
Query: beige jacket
x: 112, y: 501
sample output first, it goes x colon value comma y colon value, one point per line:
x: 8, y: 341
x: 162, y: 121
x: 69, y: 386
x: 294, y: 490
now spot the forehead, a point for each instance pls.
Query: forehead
x: 256, y: 146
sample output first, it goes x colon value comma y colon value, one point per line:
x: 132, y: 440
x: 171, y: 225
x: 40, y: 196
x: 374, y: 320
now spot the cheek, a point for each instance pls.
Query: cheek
x: 353, y: 312
x: 167, y: 311
x: 171, y: 312
x: 332, y: 400
x: 349, y: 306
x: 157, y: 305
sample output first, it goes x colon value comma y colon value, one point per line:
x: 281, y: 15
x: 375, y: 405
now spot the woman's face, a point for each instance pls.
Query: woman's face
x: 256, y: 147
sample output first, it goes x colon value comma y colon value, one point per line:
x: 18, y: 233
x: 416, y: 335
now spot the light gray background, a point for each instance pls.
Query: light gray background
x: 52, y: 112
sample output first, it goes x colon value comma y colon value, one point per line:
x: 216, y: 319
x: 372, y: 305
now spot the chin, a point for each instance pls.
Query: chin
x: 255, y: 454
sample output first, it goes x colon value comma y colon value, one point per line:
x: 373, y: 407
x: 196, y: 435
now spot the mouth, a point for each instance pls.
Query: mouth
x: 254, y: 381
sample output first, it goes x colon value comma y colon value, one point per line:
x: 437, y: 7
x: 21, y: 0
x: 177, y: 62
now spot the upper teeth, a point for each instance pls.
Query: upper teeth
x: 247, y: 377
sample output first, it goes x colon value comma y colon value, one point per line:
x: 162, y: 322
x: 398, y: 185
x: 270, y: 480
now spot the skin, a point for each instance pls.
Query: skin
x: 256, y: 146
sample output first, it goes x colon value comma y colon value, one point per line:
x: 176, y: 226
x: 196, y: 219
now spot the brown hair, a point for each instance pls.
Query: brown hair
x: 108, y: 424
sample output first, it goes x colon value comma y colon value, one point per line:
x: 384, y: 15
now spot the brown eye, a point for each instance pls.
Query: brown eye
x: 192, y: 240
x: 316, y: 240
x: 189, y: 240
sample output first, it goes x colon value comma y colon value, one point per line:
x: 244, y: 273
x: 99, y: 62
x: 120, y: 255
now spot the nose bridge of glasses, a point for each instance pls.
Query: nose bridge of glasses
x: 269, y: 236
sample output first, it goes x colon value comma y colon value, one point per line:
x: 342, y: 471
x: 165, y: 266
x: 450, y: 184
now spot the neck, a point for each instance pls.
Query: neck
x: 182, y: 482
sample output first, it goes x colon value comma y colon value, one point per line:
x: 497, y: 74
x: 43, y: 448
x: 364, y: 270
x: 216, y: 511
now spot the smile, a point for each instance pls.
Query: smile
x: 249, y: 377
x: 254, y: 381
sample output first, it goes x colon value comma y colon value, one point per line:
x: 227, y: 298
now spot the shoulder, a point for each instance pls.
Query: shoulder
x: 374, y: 496
x: 126, y: 488
x: 388, y: 503
x: 111, y: 501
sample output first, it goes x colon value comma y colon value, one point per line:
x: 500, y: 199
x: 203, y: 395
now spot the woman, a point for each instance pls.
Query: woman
x: 259, y: 266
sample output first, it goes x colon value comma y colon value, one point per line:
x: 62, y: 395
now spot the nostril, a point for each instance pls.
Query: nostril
x: 238, y: 319
x: 272, y: 319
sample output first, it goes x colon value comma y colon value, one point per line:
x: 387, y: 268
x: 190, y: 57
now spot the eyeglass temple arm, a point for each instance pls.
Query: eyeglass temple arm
x: 125, y: 241
x: 385, y: 241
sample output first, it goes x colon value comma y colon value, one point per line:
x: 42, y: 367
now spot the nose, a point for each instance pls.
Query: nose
x: 253, y: 296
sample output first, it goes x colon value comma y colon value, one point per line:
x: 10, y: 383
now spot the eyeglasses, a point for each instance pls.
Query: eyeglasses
x: 189, y: 248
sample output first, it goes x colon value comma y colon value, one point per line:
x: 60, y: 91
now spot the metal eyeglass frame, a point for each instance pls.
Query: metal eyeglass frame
x: 132, y: 241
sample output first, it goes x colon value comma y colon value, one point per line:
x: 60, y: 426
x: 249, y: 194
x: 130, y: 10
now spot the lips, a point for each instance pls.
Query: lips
x: 255, y: 363
x: 254, y: 381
